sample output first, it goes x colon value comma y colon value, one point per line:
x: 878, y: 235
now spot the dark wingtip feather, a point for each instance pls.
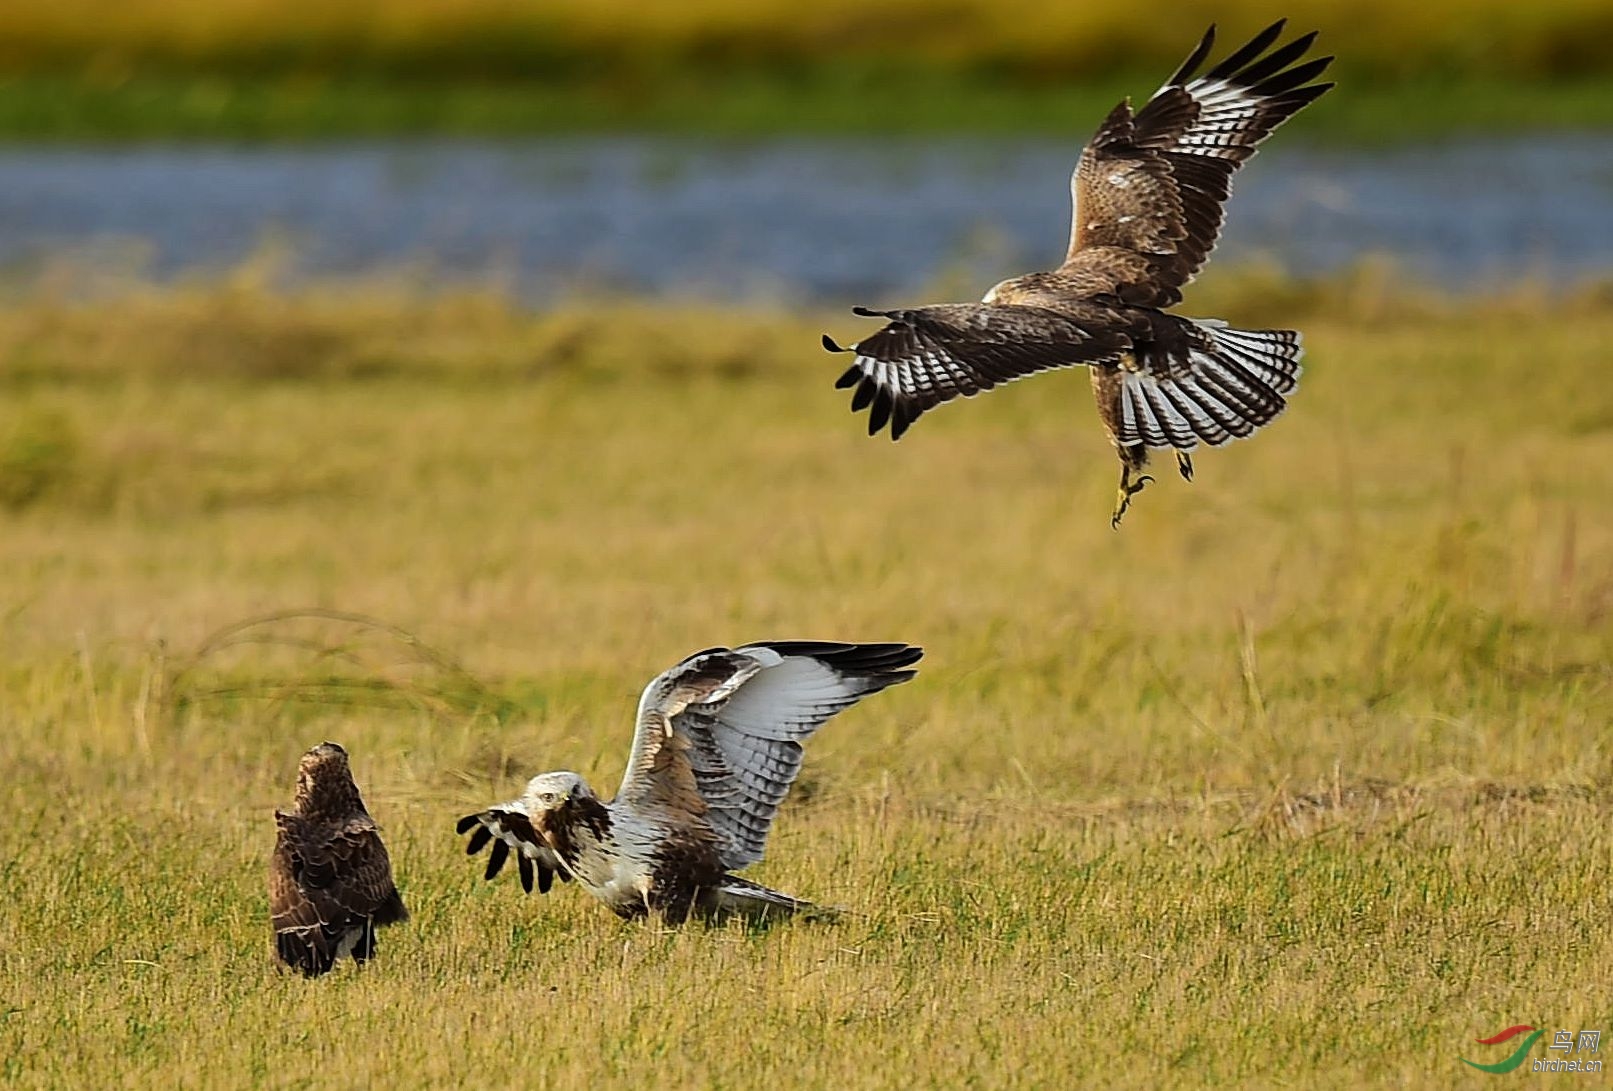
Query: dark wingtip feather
x: 464, y: 824
x: 526, y: 871
x: 545, y: 879
x: 864, y: 395
x: 495, y: 862
x: 829, y: 343
x: 880, y: 412
x: 864, y: 312
x: 1194, y: 59
x: 1255, y: 47
x: 877, y: 658
x: 1274, y: 31
x: 1278, y: 83
x: 1276, y: 60
x: 852, y: 377
x: 1307, y: 38
x: 481, y: 837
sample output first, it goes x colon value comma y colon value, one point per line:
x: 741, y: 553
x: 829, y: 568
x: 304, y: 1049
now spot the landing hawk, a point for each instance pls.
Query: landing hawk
x: 717, y: 746
x: 1147, y: 197
x: 330, y: 881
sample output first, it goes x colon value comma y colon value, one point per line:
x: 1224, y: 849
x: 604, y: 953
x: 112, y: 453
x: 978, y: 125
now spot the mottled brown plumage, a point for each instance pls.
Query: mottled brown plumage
x: 330, y: 881
x: 1147, y: 209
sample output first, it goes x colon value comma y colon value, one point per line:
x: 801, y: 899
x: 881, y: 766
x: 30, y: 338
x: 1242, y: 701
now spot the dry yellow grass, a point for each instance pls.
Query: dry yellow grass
x: 1301, y: 777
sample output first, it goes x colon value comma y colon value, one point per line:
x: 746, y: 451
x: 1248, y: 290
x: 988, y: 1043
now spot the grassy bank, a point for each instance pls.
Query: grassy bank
x: 1302, y: 776
x: 1033, y: 40
x: 746, y: 104
x: 238, y: 68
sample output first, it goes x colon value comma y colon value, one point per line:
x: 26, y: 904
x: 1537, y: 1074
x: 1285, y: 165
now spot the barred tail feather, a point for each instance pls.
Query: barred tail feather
x: 733, y: 896
x: 1234, y: 384
x: 1270, y: 355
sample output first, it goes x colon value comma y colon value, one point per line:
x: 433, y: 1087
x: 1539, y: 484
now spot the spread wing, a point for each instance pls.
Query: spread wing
x: 925, y: 357
x: 1154, y: 183
x: 719, y: 735
x: 508, y: 827
x: 324, y: 882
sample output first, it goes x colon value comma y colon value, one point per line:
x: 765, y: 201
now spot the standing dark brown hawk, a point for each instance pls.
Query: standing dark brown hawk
x: 330, y: 882
x: 1147, y: 195
x: 717, y: 746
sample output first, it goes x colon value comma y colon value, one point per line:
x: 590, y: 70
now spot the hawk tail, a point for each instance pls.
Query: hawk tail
x: 1232, y: 383
x: 309, y: 950
x: 391, y: 911
x: 736, y: 897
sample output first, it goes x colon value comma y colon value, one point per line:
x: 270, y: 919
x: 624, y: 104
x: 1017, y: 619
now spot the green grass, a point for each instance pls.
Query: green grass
x: 242, y: 69
x: 1300, y: 777
x: 743, y: 104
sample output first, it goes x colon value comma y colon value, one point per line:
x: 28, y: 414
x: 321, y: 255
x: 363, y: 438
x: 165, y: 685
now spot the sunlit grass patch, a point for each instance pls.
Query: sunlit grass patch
x: 1302, y: 776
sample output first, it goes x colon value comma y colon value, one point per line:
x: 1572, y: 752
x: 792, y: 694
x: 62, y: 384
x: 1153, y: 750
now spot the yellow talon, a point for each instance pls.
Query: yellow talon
x: 1128, y: 488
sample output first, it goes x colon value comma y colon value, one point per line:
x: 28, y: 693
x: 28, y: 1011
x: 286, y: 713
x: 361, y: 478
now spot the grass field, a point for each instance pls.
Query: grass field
x: 300, y: 68
x: 1303, y: 777
x: 1036, y: 39
x: 759, y: 104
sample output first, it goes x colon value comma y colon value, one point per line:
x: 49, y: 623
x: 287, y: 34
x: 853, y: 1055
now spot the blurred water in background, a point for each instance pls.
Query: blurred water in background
x: 826, y: 220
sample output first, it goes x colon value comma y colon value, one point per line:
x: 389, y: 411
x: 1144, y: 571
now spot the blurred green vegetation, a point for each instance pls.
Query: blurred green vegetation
x: 243, y: 68
x: 54, y: 108
x: 37, y: 450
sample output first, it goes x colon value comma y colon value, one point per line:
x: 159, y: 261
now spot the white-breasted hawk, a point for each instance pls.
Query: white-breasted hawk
x: 716, y: 749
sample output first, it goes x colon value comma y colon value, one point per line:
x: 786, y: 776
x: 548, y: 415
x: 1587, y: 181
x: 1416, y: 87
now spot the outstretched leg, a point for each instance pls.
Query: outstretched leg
x: 1128, y: 489
x: 1184, y: 465
x: 364, y: 943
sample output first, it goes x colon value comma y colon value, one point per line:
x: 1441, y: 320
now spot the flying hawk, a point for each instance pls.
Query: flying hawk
x: 330, y: 882
x: 717, y: 746
x: 1147, y: 199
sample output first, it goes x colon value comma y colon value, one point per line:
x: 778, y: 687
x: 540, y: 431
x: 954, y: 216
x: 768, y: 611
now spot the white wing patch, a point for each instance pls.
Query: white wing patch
x: 744, y: 739
x: 789, y: 700
x: 758, y: 733
x: 1226, y: 112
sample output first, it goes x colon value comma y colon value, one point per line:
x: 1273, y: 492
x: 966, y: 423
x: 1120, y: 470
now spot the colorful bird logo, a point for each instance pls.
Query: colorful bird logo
x: 1518, y: 1055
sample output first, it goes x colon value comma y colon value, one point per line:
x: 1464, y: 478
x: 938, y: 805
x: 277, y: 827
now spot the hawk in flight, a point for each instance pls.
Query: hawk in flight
x: 330, y: 881
x: 1147, y: 196
x: 717, y: 746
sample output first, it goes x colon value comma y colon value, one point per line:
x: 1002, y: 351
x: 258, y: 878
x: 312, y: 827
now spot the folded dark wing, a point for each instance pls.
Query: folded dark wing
x: 738, y: 718
x: 927, y: 356
x: 508, y: 829
x: 1155, y: 183
x: 325, y: 881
